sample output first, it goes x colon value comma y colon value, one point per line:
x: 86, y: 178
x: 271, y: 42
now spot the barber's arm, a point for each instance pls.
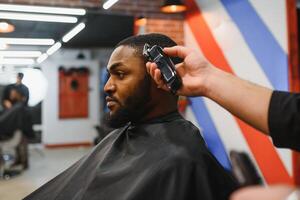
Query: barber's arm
x: 278, y: 192
x: 246, y: 100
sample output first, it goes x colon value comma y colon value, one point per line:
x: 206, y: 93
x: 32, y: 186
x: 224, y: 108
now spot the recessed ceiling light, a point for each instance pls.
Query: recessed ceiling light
x: 16, y: 61
x: 140, y: 21
x: 37, y: 17
x: 42, y: 58
x: 23, y: 54
x: 26, y: 41
x: 6, y: 27
x: 3, y: 46
x: 42, y: 9
x: 173, y: 6
x: 109, y: 4
x: 54, y: 48
x: 73, y: 32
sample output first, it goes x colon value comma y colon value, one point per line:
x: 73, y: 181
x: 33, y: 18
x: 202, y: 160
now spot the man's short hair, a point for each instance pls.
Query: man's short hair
x: 137, y: 42
x: 20, y: 75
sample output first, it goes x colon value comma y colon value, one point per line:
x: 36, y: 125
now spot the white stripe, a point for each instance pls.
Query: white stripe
x: 224, y: 122
x: 229, y: 131
x: 189, y: 115
x: 286, y: 157
x: 275, y: 19
x: 232, y: 43
x: 236, y: 52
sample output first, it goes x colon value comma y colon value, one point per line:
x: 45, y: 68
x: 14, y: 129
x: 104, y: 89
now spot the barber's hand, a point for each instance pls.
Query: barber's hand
x: 278, y: 192
x: 193, y: 71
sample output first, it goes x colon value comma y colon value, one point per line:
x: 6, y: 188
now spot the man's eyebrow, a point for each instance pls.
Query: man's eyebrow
x: 114, y: 66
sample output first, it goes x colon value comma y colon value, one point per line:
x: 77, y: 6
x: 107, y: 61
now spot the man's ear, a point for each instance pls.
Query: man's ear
x: 158, y: 91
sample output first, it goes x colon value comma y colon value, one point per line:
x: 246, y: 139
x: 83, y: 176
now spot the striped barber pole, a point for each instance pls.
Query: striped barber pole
x: 248, y: 38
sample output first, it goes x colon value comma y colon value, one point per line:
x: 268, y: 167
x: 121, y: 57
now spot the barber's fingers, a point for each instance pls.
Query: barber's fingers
x: 158, y: 79
x: 180, y: 69
x: 151, y: 68
x: 177, y: 51
x: 156, y: 75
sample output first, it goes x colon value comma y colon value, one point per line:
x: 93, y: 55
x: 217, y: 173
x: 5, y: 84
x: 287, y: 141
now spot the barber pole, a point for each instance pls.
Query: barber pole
x: 252, y: 40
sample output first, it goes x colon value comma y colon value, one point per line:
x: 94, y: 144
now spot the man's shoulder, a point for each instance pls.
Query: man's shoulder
x: 183, y: 132
x: 181, y: 139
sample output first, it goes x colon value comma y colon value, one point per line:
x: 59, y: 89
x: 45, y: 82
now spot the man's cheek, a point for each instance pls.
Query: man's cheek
x: 127, y: 94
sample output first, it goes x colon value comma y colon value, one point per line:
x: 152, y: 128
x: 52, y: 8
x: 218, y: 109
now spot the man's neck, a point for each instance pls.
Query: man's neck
x: 160, y: 110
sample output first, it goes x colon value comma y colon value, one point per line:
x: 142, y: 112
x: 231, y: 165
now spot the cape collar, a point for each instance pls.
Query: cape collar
x: 159, y: 119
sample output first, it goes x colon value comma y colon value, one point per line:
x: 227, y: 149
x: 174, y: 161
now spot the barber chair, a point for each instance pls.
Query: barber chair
x: 244, y: 169
x: 13, y: 156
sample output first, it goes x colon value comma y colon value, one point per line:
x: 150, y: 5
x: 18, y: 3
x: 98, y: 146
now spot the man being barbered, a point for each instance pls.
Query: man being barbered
x: 153, y: 154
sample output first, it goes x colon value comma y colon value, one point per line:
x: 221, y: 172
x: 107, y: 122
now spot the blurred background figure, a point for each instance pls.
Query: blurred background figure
x: 15, y: 115
x: 15, y: 128
x: 14, y: 93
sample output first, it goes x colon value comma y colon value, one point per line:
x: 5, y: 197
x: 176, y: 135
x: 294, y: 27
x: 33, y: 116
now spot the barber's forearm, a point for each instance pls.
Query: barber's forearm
x: 248, y: 101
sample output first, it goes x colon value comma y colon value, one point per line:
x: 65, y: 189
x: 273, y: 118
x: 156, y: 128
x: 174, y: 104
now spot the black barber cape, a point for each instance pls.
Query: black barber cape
x: 163, y: 159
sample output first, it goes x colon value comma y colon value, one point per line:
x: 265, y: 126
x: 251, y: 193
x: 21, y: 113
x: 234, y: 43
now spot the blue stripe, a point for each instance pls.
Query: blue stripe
x: 260, y: 40
x: 209, y: 132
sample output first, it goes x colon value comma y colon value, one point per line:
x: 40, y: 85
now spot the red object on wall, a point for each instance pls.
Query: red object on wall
x: 183, y: 102
x: 73, y: 93
x: 294, y: 70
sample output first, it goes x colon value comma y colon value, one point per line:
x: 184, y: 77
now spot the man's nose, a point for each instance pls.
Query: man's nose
x: 109, y: 87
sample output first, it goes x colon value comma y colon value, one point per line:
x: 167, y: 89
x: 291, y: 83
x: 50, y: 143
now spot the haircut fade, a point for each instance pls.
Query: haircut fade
x: 137, y: 42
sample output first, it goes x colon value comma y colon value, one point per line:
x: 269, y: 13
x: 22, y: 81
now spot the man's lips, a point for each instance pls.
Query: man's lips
x: 110, y: 102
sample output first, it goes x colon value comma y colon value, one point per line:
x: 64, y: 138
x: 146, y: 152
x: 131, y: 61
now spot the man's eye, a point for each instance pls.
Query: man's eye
x: 121, y: 75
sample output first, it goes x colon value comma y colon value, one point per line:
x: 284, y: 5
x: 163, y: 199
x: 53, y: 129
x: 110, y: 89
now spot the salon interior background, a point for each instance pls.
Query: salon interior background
x: 251, y: 39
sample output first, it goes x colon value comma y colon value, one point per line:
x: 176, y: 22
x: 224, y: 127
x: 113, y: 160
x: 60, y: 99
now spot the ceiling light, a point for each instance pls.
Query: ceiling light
x: 16, y: 61
x: 173, y: 6
x: 42, y: 58
x: 26, y: 41
x: 141, y: 21
x: 6, y: 27
x: 3, y: 46
x: 37, y: 17
x: 42, y: 9
x: 109, y: 4
x: 73, y: 32
x: 23, y: 54
x: 54, y: 48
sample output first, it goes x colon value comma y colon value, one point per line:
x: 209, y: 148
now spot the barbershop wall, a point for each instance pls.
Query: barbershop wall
x: 73, y: 130
x: 170, y: 27
x: 248, y: 39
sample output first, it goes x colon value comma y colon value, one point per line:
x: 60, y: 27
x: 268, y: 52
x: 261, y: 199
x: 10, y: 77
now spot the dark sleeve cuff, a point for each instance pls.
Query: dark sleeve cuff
x: 284, y: 120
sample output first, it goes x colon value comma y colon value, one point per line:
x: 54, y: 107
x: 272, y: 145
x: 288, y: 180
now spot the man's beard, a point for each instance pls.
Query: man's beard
x: 135, y: 106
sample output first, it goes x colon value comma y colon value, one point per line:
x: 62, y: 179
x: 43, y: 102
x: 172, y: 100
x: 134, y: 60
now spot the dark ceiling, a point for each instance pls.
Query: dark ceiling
x: 31, y: 29
x: 102, y: 30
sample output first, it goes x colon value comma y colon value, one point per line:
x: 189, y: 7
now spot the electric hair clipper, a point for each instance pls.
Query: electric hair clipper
x: 167, y: 68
